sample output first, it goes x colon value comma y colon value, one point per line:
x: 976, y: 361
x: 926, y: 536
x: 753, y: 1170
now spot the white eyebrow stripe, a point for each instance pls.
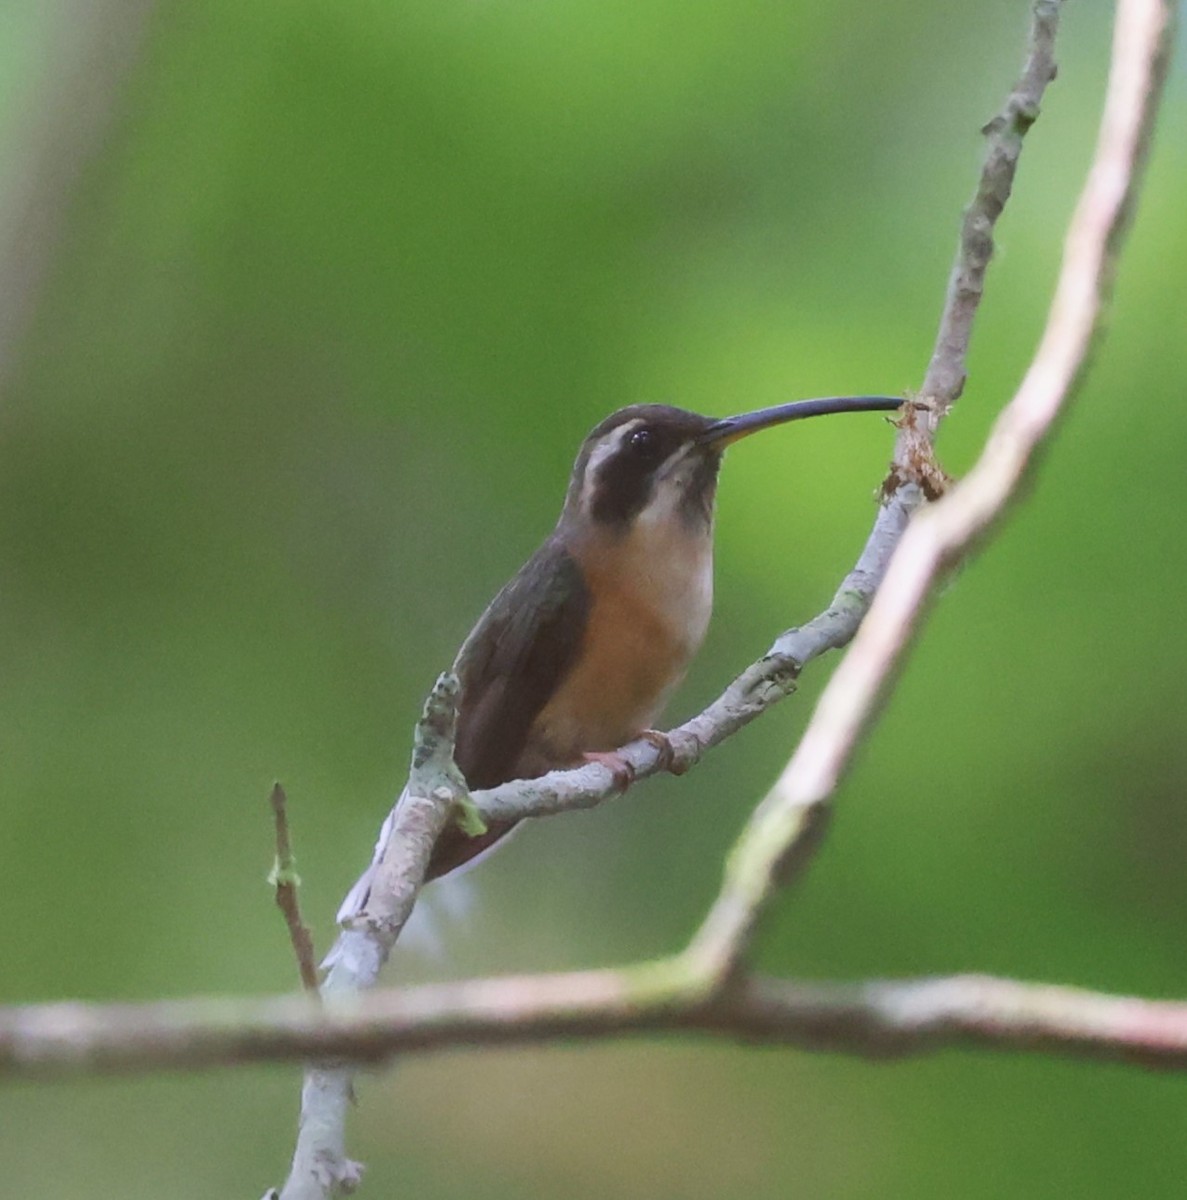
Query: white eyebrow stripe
x: 613, y: 441
x: 609, y: 445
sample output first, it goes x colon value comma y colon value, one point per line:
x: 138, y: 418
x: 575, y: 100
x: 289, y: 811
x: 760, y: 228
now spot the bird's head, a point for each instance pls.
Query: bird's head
x: 656, y: 463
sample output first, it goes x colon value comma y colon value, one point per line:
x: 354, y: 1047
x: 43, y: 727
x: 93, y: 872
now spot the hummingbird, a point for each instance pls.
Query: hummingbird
x: 578, y: 653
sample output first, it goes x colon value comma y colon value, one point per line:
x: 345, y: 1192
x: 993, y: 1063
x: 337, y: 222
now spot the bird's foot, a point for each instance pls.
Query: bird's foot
x: 623, y: 772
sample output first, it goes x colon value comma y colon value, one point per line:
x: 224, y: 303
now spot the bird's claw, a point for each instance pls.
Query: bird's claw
x: 623, y: 772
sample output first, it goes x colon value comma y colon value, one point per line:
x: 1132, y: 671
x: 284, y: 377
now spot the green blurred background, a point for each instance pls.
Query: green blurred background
x: 332, y: 310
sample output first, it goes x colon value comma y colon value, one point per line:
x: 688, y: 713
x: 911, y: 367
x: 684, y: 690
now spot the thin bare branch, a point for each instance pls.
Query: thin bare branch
x: 285, y: 880
x: 946, y: 372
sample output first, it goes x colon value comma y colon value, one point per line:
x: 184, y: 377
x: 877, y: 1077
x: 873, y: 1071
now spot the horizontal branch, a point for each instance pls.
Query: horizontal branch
x: 875, y: 1019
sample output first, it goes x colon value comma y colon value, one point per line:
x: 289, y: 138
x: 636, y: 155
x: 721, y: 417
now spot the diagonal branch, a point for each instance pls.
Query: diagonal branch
x: 784, y: 829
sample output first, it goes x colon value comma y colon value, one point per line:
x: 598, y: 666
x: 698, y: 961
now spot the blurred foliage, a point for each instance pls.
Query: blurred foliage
x: 335, y: 306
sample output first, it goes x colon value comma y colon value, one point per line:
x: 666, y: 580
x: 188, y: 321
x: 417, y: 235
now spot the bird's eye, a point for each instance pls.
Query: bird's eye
x: 644, y: 443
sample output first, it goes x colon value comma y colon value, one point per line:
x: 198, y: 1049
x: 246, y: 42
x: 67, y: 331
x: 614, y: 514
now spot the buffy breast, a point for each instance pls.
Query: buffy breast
x: 648, y: 618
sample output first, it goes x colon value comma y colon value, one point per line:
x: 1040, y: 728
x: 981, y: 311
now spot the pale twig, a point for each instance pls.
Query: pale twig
x: 783, y: 829
x: 877, y: 1018
x: 285, y: 880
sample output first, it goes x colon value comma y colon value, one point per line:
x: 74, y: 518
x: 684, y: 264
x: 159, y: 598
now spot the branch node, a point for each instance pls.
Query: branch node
x: 435, y: 731
x: 465, y: 812
x: 776, y: 675
x: 915, y: 459
x: 686, y: 750
x: 337, y: 1175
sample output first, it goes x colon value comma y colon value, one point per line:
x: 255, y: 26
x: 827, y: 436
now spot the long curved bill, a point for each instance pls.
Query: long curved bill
x: 728, y: 430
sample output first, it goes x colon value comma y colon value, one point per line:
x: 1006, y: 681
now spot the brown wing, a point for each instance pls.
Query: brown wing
x: 512, y: 662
